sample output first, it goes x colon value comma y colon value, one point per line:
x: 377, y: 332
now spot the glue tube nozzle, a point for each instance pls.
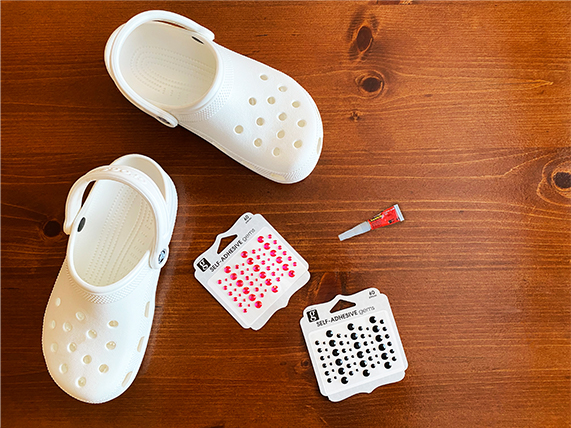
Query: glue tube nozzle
x: 389, y: 216
x: 357, y: 230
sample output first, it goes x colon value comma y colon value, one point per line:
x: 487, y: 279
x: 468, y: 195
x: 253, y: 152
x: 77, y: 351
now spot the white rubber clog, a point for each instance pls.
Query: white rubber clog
x: 99, y: 315
x: 255, y: 114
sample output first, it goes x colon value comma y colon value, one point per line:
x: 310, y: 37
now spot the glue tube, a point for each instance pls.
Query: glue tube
x: 389, y: 216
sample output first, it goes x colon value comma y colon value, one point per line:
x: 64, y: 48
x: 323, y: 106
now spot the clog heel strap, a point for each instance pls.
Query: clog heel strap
x: 140, y: 182
x: 113, y: 54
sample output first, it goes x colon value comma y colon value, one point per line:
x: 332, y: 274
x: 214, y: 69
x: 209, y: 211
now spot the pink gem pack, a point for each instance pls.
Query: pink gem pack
x: 255, y: 275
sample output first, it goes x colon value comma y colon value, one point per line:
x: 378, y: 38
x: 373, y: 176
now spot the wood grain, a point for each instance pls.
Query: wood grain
x: 460, y: 112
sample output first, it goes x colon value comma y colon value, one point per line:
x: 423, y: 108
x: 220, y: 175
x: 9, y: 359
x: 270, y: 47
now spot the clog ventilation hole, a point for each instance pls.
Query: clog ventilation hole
x: 282, y: 117
x: 87, y: 359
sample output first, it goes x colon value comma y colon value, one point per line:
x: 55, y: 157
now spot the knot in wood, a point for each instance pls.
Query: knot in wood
x: 371, y: 84
x: 360, y: 33
x: 555, y: 185
x: 364, y: 39
x: 355, y: 116
x: 52, y: 228
x: 562, y: 180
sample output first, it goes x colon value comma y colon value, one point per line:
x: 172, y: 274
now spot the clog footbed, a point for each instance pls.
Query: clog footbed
x: 257, y: 115
x: 99, y: 315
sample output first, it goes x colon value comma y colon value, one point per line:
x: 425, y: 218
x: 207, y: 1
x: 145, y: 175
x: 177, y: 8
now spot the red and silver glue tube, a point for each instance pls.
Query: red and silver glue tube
x: 389, y: 216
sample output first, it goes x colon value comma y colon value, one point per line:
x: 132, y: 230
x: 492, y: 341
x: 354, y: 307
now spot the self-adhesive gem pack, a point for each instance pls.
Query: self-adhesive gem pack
x: 356, y: 349
x: 255, y: 275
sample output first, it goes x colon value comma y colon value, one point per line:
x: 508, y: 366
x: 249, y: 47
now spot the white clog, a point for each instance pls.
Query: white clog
x: 255, y: 114
x: 99, y: 315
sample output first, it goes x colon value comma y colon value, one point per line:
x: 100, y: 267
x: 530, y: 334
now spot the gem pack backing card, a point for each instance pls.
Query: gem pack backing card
x: 356, y: 349
x: 255, y: 275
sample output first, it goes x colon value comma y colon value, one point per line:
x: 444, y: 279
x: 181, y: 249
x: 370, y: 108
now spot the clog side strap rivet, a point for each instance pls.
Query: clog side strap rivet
x: 99, y: 315
x: 255, y: 114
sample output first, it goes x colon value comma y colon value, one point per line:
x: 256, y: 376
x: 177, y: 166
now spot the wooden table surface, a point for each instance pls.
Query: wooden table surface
x: 460, y: 112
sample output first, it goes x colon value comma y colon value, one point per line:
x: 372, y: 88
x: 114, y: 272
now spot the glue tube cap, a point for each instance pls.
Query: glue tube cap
x: 357, y: 230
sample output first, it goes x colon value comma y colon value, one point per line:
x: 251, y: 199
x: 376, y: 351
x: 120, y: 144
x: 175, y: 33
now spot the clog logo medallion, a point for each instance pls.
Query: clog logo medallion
x: 162, y: 255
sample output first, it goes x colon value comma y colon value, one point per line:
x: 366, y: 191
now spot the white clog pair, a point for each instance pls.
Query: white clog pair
x: 99, y: 315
